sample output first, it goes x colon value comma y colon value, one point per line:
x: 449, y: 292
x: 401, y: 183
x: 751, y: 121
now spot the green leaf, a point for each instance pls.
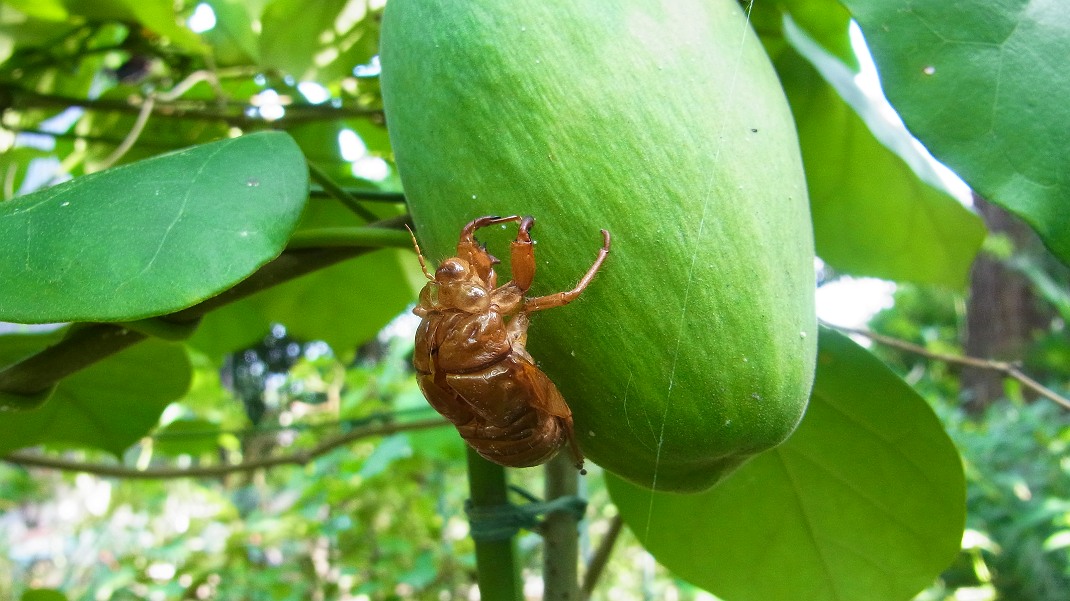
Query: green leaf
x: 107, y: 406
x: 194, y: 436
x: 233, y: 40
x: 323, y: 44
x: 344, y: 305
x: 151, y: 237
x: 50, y: 10
x: 43, y: 594
x: 157, y: 15
x: 984, y: 86
x: 865, y: 501
x: 291, y: 34
x: 826, y: 21
x: 389, y: 450
x: 873, y: 215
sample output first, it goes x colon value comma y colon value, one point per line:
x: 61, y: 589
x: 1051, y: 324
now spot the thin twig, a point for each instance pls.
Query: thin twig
x: 234, y: 112
x: 131, y: 138
x: 186, y: 84
x: 1009, y: 370
x: 161, y: 473
x: 598, y: 561
x: 361, y: 422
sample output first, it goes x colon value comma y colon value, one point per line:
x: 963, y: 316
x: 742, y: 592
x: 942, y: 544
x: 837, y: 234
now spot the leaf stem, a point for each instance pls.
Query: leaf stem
x: 338, y: 193
x: 350, y: 237
x: 363, y: 194
x: 496, y: 565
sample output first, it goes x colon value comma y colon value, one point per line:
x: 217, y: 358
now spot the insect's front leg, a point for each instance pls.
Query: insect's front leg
x: 468, y: 249
x: 522, y: 255
x: 563, y: 298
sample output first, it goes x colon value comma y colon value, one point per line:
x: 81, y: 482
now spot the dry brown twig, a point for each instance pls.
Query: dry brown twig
x: 1009, y: 370
x: 162, y: 473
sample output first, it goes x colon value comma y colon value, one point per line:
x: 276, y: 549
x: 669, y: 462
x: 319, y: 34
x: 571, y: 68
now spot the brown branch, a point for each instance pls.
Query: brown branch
x: 298, y: 458
x: 1009, y: 370
x: 600, y: 559
x: 234, y: 113
x: 85, y: 345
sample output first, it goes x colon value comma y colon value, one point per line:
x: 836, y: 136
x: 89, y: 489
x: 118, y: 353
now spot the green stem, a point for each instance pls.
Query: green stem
x: 350, y: 237
x: 560, y: 534
x: 359, y: 194
x: 496, y: 566
x: 338, y: 193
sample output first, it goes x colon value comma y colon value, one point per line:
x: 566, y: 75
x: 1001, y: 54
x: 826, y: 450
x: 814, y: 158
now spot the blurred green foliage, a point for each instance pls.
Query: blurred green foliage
x: 1017, y: 543
x: 383, y: 518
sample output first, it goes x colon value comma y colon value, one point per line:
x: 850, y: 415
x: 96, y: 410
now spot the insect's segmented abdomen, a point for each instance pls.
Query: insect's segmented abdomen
x: 489, y: 400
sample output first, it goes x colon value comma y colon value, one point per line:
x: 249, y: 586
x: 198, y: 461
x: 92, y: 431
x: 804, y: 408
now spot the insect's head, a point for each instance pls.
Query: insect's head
x: 458, y: 287
x: 453, y: 269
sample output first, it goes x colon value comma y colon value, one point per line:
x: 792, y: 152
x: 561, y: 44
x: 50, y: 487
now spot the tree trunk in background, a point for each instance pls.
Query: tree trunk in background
x: 1002, y: 312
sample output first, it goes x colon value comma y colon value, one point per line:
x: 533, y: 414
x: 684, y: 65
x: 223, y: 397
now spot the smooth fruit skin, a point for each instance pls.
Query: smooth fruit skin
x: 663, y: 122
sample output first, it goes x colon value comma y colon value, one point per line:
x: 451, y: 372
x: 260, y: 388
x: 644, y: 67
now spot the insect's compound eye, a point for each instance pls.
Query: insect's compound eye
x: 452, y: 270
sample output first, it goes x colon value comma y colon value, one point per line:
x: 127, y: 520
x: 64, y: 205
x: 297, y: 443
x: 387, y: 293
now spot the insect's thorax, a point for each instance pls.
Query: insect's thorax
x: 468, y: 297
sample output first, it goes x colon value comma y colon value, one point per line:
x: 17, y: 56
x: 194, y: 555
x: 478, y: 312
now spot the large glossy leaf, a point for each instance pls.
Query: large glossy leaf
x: 873, y: 214
x: 866, y: 501
x: 107, y: 406
x: 985, y: 85
x: 151, y: 237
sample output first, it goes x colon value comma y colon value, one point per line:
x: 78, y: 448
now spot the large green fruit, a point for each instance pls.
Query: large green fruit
x: 662, y: 122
